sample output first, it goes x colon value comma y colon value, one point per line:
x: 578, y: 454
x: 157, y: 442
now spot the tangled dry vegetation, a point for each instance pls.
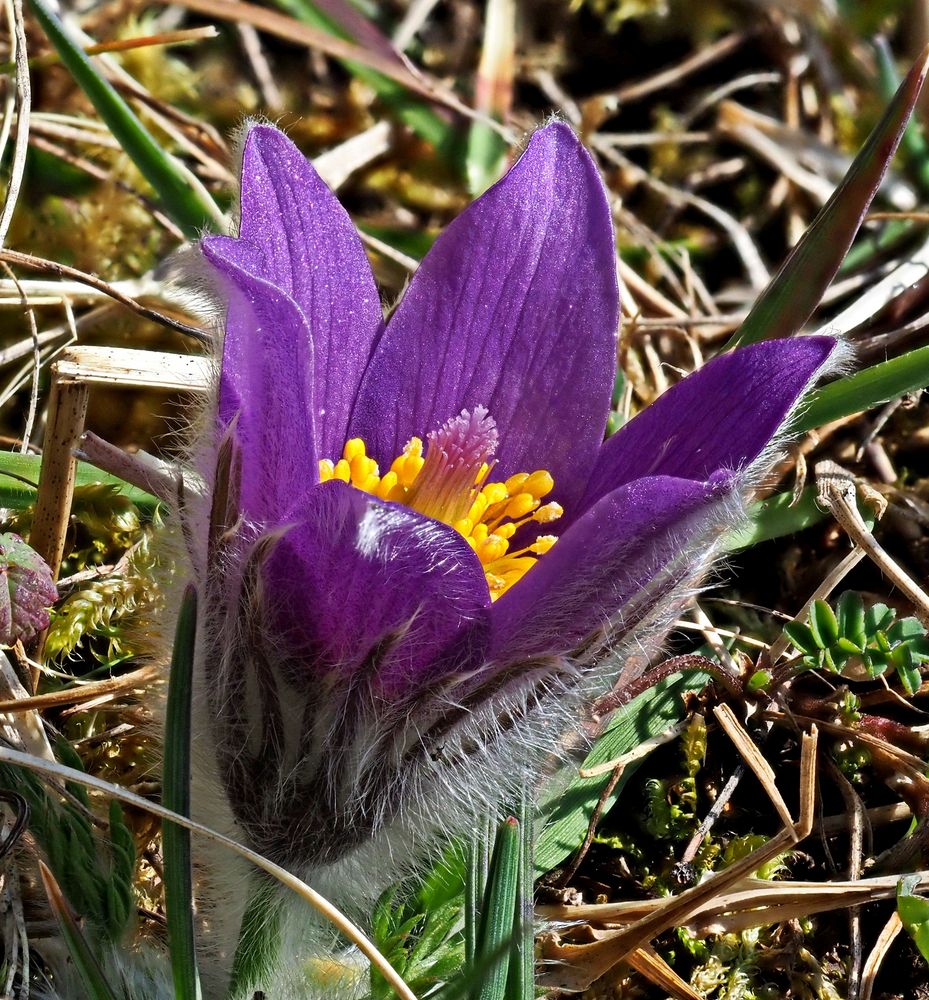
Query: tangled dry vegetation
x: 721, y: 128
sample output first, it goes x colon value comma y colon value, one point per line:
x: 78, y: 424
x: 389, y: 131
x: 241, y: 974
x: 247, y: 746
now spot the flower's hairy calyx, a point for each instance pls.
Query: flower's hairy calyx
x: 450, y: 483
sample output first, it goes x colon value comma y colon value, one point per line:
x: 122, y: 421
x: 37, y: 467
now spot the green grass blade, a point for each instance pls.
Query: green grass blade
x: 176, y: 796
x: 474, y: 889
x: 795, y: 291
x: 85, y: 962
x: 499, y: 913
x: 870, y: 387
x: 181, y: 194
x: 775, y: 517
x: 485, y: 157
x: 521, y: 979
x: 19, y: 475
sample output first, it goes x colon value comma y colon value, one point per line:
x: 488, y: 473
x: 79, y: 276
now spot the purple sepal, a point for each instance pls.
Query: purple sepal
x: 372, y: 593
x: 605, y: 573
x: 267, y: 380
x: 720, y: 417
x: 515, y: 308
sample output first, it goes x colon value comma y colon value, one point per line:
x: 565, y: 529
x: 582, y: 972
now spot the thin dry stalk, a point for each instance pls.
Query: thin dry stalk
x: 878, y: 953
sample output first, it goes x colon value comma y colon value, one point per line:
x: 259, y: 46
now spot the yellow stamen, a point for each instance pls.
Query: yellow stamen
x: 449, y: 483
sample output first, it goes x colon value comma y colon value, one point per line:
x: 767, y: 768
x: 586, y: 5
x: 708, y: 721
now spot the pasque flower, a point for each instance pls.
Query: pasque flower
x: 420, y: 547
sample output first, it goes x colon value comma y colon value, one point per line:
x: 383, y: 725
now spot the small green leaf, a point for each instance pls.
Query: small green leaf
x: 789, y: 300
x: 802, y: 636
x: 823, y: 624
x: 906, y: 670
x: 848, y: 647
x: 759, y: 680
x: 877, y: 617
x: 904, y: 629
x: 850, y: 613
x: 914, y: 913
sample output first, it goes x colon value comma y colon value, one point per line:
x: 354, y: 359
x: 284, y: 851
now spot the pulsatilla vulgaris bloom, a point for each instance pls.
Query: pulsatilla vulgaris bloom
x: 420, y: 546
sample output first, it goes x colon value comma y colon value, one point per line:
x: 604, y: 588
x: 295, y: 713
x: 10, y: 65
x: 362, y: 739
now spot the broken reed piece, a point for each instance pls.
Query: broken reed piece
x: 73, y: 375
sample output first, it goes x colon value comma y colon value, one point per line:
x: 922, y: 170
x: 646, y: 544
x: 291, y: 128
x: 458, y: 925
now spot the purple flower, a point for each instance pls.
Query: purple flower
x: 419, y: 546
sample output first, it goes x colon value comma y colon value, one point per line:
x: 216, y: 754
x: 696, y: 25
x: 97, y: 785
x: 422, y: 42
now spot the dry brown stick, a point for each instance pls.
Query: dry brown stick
x: 581, y: 853
x: 881, y: 946
x: 754, y: 758
x: 67, y: 410
x: 74, y: 696
x: 63, y: 271
x: 751, y: 903
x: 648, y: 963
x: 856, y: 828
x: 837, y: 489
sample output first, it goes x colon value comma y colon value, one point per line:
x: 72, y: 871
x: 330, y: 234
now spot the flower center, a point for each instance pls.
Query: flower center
x: 450, y: 484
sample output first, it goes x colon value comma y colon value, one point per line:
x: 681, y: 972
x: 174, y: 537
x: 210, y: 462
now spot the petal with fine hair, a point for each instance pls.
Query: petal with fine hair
x: 309, y: 248
x: 611, y: 568
x: 515, y: 308
x: 373, y: 593
x: 266, y: 386
x: 721, y: 417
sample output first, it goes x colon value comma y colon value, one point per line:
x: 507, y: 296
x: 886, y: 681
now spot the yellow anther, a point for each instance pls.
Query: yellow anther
x: 449, y: 482
x: 363, y: 469
x: 386, y: 485
x: 514, y: 484
x: 478, y: 508
x: 354, y: 448
x: 542, y: 544
x: 494, y: 548
x: 495, y: 493
x: 539, y: 484
x: 408, y: 465
x: 548, y: 512
x: 521, y: 505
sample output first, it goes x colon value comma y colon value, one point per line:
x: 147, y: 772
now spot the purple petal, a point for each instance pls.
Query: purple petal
x: 611, y: 567
x: 374, y: 593
x: 721, y: 417
x: 266, y: 384
x: 303, y: 241
x: 515, y: 308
